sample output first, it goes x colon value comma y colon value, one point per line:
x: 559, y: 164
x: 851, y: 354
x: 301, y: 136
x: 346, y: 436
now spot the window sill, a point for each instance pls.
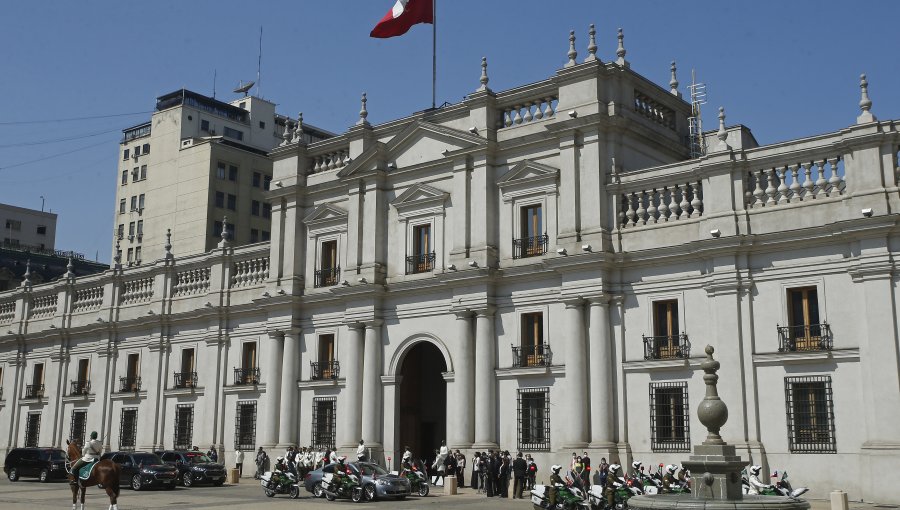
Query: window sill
x: 692, y: 363
x: 322, y: 383
x: 130, y: 395
x: 32, y: 401
x: 512, y: 373
x: 176, y: 392
x: 244, y: 388
x: 779, y: 358
x: 87, y: 397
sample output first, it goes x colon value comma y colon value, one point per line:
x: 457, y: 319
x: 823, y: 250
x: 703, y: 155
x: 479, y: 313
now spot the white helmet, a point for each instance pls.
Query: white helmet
x: 636, y: 465
x: 754, y: 470
x: 555, y: 468
x: 279, y: 459
x: 671, y: 468
x: 613, y: 468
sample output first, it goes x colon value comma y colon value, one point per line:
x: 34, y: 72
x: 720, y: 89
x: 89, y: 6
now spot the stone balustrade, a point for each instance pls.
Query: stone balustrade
x: 87, y: 299
x: 649, y: 108
x: 43, y: 306
x: 139, y: 290
x: 797, y: 181
x: 679, y: 201
x: 333, y: 160
x: 191, y: 281
x: 249, y: 272
x: 7, y: 312
x: 529, y: 110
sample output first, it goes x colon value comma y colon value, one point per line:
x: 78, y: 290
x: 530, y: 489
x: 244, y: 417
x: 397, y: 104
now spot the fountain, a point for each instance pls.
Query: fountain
x: 714, y: 466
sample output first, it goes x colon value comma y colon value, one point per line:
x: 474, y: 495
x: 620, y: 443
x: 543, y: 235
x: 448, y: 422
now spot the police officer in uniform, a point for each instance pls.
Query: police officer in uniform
x: 90, y: 453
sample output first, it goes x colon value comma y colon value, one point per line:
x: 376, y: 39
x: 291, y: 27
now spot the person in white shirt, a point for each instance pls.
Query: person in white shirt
x: 239, y: 461
x: 333, y: 458
x: 407, y: 458
x: 756, y: 486
x: 361, y: 451
x: 320, y: 456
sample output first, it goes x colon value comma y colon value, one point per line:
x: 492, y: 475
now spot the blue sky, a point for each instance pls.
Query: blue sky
x: 785, y: 69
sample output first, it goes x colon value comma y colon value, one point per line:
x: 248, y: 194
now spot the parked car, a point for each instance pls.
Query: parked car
x: 377, y: 483
x: 44, y: 463
x: 194, y: 467
x: 143, y: 469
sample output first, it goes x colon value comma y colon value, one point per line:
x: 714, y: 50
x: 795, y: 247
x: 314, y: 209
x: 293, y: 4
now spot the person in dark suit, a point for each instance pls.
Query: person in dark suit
x: 520, y: 470
x: 490, y: 468
x: 503, y: 477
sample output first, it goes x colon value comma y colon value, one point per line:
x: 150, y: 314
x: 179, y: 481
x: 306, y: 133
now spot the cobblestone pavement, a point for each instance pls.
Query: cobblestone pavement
x: 32, y: 495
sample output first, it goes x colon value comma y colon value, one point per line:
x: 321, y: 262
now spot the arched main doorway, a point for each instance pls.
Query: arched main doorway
x: 422, y: 400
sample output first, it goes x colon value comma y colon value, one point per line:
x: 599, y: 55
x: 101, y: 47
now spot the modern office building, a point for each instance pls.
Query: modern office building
x: 197, y: 161
x: 534, y: 269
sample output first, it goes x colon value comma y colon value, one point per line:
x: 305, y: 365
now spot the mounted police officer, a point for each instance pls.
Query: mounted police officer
x: 90, y: 453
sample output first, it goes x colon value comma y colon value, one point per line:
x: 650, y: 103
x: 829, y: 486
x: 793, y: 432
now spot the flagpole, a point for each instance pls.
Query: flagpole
x: 433, y: 54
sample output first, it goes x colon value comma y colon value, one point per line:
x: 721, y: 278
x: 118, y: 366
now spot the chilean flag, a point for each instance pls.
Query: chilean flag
x: 402, y: 16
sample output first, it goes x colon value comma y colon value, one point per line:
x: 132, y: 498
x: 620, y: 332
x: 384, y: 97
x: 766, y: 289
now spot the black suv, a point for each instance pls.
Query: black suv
x: 194, y: 467
x: 44, y: 463
x: 142, y: 469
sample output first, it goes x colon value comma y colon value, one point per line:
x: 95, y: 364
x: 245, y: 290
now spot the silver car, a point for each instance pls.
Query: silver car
x: 377, y: 483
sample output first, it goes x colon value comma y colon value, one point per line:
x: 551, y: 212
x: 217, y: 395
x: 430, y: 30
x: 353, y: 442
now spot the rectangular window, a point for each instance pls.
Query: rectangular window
x: 669, y: 420
x: 143, y: 172
x: 187, y: 360
x: 14, y: 225
x: 130, y: 255
x: 220, y: 170
x: 42, y: 230
x: 121, y: 231
x: 137, y: 255
x: 534, y: 419
x: 232, y: 202
x: 204, y: 125
x: 37, y: 375
x: 805, y: 330
x: 141, y: 202
x: 232, y: 173
x: 267, y: 182
x: 422, y: 240
x: 248, y: 372
x: 122, y: 206
x: 532, y: 350
x: 128, y: 428
x: 137, y: 151
x: 78, y: 425
x: 267, y: 210
x: 131, y: 229
x: 323, y: 426
x: 666, y: 342
x: 233, y: 133
x: 248, y: 355
x: 245, y: 426
x: 220, y: 199
x: 256, y: 181
x: 133, y: 366
x: 329, y: 254
x: 266, y: 235
x: 83, y: 374
x: 125, y: 154
x: 146, y: 148
x: 140, y: 228
x: 254, y: 235
x: 124, y: 177
x: 32, y: 430
x: 532, y: 221
x: 184, y: 426
x: 810, y: 414
x: 532, y: 241
x: 133, y: 203
x: 254, y: 207
x: 262, y: 125
x: 135, y: 174
x: 326, y: 348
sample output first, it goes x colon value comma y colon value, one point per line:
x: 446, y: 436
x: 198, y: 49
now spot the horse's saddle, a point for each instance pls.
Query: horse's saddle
x: 84, y: 472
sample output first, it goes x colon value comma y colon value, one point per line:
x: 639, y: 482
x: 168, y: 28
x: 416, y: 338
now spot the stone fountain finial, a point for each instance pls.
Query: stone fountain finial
x: 298, y: 129
x: 484, y: 77
x: 722, y: 134
x: 620, y: 50
x: 26, y: 281
x: 865, y: 104
x: 713, y: 412
x: 168, y: 245
x: 673, y: 82
x: 363, y: 112
x: 572, y: 53
x: 286, y: 136
x: 70, y: 270
x: 224, y: 235
x: 117, y: 258
x: 592, y: 45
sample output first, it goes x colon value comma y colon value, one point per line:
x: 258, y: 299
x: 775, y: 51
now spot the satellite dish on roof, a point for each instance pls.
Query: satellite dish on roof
x: 243, y: 88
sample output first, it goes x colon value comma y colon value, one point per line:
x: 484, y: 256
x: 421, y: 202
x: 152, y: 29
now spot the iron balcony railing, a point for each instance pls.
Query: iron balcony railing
x: 420, y: 263
x: 667, y: 347
x: 129, y: 384
x: 538, y: 355
x: 34, y: 391
x: 804, y: 337
x: 185, y: 379
x: 245, y: 376
x: 530, y: 246
x: 80, y: 387
x: 321, y: 370
x: 327, y: 277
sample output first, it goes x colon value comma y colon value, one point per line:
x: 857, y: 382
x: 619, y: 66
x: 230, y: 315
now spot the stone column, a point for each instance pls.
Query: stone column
x: 575, y: 397
x: 352, y: 405
x: 372, y: 405
x: 462, y: 424
x: 272, y: 372
x: 486, y: 382
x: 601, y: 379
x: 287, y: 424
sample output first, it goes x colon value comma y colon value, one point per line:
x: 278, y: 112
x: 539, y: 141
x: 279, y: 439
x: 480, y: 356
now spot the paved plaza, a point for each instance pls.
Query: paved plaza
x: 32, y: 495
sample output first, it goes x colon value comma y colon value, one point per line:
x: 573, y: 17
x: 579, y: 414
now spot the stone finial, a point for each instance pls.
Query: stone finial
x: 70, y: 269
x: 572, y: 53
x: 722, y: 135
x: 713, y: 412
x: 363, y: 112
x: 168, y: 245
x: 26, y: 281
x: 592, y: 45
x: 620, y: 50
x: 673, y: 82
x: 224, y: 234
x: 865, y: 104
x: 117, y: 258
x: 286, y: 136
x: 298, y: 129
x: 484, y: 76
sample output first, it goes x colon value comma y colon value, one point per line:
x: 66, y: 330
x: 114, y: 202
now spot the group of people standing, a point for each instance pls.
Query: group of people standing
x: 492, y: 472
x: 298, y: 461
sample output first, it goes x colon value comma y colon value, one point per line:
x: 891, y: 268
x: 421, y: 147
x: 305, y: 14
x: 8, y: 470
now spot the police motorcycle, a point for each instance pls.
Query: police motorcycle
x: 568, y: 497
x: 418, y: 483
x: 647, y: 483
x: 622, y: 491
x: 279, y: 481
x: 782, y: 487
x: 342, y: 485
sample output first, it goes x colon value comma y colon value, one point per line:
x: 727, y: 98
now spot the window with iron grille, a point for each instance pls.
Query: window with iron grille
x: 245, y: 425
x: 32, y: 430
x: 534, y: 419
x: 669, y: 419
x: 323, y: 426
x: 128, y: 428
x: 184, y: 426
x: 79, y: 424
x: 810, y: 414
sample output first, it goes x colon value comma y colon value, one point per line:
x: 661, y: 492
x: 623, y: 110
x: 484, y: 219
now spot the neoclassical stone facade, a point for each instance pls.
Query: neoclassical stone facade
x: 534, y: 269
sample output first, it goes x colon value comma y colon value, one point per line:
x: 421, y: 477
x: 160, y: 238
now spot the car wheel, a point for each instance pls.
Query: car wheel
x: 370, y: 492
x: 357, y: 494
x: 187, y: 479
x: 13, y: 475
x: 44, y: 476
x: 136, y: 482
x: 318, y: 491
x: 423, y: 489
x: 295, y: 492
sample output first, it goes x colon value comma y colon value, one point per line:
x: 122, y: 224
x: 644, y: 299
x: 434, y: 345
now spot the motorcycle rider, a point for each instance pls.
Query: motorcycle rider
x: 341, y: 472
x: 612, y: 483
x: 90, y: 453
x: 669, y: 480
x: 756, y: 486
x: 556, y: 481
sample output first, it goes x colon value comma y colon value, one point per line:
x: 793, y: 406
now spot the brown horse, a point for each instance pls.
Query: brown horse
x: 105, y: 473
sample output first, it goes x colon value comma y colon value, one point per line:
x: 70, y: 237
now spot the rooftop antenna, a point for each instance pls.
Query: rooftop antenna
x: 259, y: 61
x: 695, y: 121
x: 215, y: 72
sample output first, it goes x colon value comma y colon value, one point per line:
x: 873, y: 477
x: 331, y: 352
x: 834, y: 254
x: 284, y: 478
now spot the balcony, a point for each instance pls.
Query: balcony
x: 129, y: 384
x: 530, y: 246
x: 185, y: 380
x: 246, y: 376
x: 327, y: 277
x: 667, y: 347
x: 804, y: 337
x: 423, y: 263
x: 34, y: 391
x: 532, y: 356
x: 80, y: 387
x: 322, y: 370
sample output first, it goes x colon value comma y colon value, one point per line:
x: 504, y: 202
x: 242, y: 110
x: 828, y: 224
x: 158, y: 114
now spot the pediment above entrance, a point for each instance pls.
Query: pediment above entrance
x: 422, y: 142
x: 326, y: 217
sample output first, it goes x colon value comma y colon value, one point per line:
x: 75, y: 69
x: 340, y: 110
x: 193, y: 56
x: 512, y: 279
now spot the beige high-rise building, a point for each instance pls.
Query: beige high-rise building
x: 196, y: 162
